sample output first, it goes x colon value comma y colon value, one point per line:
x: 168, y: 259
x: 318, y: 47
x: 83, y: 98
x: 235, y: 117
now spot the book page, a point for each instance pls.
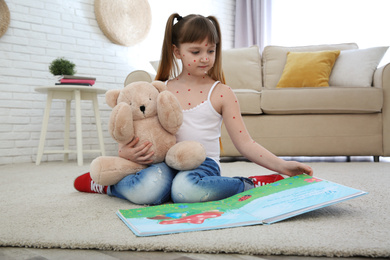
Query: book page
x: 297, y: 200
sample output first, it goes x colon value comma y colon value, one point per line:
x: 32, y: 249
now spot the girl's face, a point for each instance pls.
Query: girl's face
x: 197, y: 57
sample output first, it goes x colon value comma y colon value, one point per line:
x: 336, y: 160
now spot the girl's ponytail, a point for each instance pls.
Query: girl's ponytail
x: 168, y: 63
x: 216, y: 72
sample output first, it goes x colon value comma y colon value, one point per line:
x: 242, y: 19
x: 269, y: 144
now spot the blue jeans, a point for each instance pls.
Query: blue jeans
x: 149, y: 186
x: 159, y: 183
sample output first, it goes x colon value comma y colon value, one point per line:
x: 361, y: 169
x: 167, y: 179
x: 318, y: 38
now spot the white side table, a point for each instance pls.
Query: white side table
x: 70, y: 92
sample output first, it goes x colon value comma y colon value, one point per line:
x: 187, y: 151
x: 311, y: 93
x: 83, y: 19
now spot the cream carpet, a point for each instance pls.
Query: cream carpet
x: 40, y: 208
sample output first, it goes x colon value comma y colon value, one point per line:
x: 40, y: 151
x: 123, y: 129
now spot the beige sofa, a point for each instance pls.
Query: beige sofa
x: 351, y: 117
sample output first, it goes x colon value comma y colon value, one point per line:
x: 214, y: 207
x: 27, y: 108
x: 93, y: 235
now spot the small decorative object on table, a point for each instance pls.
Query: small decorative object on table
x: 65, y: 71
x: 62, y: 66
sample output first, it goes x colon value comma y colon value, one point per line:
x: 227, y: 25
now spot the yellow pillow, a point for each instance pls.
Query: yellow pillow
x: 308, y: 69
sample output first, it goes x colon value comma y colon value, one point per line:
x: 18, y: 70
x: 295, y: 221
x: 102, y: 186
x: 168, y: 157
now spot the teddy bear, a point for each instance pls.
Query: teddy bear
x: 151, y: 113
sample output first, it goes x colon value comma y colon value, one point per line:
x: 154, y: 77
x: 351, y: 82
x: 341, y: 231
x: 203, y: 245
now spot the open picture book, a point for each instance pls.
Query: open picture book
x: 263, y: 205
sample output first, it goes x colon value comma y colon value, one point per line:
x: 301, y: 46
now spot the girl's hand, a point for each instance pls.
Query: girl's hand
x: 137, y: 154
x: 292, y: 168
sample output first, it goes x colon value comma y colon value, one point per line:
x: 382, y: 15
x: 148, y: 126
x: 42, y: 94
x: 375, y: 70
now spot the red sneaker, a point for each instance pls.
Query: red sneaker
x: 262, y: 180
x: 84, y: 183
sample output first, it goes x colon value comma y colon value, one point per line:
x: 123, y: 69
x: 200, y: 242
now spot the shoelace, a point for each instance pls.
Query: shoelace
x: 96, y: 187
x: 260, y: 184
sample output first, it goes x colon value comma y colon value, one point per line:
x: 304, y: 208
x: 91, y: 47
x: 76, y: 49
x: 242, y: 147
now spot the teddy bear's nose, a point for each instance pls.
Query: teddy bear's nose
x: 142, y: 108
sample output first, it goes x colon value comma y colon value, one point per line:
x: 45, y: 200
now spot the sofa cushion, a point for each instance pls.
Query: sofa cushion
x: 307, y: 69
x: 249, y: 101
x: 356, y: 67
x: 274, y: 59
x: 242, y: 68
x: 332, y: 100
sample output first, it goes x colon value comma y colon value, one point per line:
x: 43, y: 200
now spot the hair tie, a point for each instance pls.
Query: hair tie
x: 179, y: 18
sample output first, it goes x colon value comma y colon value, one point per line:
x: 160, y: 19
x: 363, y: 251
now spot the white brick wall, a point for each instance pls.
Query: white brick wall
x: 42, y: 30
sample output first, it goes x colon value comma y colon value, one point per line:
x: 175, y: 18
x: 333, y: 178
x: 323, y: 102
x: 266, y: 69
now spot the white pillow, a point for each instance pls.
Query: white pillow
x: 355, y: 68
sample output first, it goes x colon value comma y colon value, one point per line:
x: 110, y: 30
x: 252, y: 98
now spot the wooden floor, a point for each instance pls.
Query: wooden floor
x: 16, y: 253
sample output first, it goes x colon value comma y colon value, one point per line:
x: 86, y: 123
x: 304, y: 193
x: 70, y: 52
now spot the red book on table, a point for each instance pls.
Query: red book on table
x: 85, y: 81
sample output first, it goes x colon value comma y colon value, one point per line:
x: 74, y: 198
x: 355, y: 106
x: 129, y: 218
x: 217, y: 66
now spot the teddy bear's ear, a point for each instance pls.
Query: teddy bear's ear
x: 159, y: 85
x: 112, y: 97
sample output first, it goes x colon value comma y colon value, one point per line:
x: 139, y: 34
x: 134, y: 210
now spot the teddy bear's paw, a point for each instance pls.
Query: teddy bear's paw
x: 186, y: 155
x: 109, y: 170
x: 121, y: 123
x: 169, y: 112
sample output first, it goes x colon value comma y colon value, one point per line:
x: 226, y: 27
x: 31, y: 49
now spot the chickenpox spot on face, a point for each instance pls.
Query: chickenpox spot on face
x: 189, y: 89
x: 189, y: 64
x: 189, y: 74
x: 194, y: 60
x: 234, y: 117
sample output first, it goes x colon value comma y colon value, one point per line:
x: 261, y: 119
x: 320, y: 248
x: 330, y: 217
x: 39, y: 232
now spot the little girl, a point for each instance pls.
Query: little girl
x: 206, y: 102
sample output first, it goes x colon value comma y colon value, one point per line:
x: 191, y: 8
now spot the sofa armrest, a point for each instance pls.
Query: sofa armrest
x: 382, y: 80
x: 139, y: 75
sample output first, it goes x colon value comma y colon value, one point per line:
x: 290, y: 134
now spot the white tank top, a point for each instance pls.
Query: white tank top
x: 203, y: 124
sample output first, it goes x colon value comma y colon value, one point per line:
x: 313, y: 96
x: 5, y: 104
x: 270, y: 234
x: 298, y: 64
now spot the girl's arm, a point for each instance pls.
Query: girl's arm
x: 230, y: 110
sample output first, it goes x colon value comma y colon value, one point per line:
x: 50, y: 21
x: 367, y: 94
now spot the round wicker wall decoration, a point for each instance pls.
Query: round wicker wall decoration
x: 124, y: 22
x: 4, y: 17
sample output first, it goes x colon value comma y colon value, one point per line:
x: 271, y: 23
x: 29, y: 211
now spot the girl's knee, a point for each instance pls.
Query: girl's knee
x: 185, y: 188
x: 151, y: 191
x: 151, y: 186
